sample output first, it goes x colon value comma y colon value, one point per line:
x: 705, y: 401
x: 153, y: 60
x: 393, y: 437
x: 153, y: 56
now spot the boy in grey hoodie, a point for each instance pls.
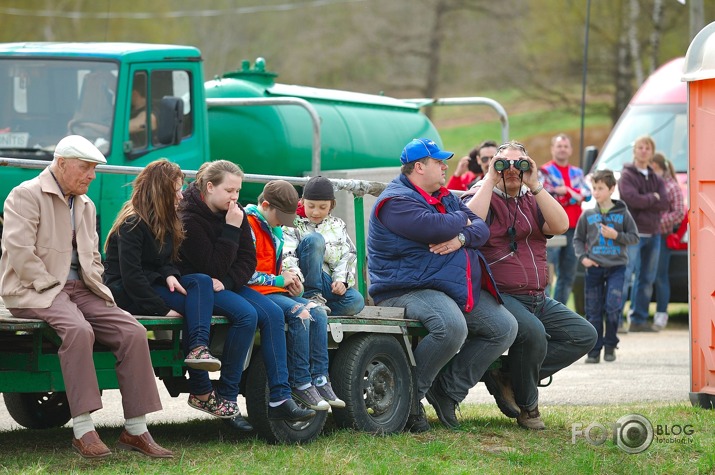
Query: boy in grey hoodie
x: 601, y: 240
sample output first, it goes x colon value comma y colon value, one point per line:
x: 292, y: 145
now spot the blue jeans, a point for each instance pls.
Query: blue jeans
x: 604, y: 294
x: 550, y: 338
x: 239, y: 339
x: 469, y: 342
x: 271, y: 325
x: 564, y: 262
x: 311, y: 254
x: 196, y: 307
x: 307, y: 340
x: 662, y: 278
x: 645, y: 255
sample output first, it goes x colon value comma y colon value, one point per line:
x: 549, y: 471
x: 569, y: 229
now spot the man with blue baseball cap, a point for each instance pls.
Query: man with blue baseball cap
x: 423, y: 251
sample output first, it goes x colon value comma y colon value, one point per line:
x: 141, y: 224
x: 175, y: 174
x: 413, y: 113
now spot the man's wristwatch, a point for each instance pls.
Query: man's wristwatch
x: 462, y: 239
x: 537, y: 190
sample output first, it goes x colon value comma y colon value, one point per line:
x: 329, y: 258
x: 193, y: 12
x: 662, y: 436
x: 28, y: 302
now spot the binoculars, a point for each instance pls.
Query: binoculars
x: 504, y: 164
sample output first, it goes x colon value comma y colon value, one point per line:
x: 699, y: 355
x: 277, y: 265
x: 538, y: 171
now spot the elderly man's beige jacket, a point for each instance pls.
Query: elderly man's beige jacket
x: 37, y: 244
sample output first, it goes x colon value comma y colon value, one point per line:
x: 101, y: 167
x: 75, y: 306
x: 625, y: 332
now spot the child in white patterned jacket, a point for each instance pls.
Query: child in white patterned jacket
x: 320, y: 251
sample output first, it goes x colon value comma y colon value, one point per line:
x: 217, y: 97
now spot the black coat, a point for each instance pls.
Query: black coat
x: 212, y: 247
x: 134, y: 263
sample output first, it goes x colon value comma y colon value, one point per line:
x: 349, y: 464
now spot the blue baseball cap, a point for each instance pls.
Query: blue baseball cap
x: 421, y: 148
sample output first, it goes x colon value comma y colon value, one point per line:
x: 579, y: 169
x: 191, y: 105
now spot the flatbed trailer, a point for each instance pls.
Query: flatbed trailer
x: 371, y: 368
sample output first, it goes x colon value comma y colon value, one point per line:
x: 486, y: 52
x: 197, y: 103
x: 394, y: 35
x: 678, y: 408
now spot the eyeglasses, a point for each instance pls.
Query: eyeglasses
x: 486, y: 159
x: 511, y: 231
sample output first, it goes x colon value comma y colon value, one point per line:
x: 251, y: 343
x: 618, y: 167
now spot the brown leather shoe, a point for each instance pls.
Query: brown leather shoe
x: 531, y: 419
x: 144, y: 444
x: 90, y: 446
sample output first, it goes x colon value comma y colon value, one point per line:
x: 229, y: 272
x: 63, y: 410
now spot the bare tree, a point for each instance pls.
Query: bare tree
x: 633, y: 40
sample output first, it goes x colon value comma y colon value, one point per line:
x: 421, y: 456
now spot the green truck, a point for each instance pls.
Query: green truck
x: 140, y: 102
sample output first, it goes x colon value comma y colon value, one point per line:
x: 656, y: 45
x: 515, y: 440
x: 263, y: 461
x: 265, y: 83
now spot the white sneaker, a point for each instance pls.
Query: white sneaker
x: 660, y: 320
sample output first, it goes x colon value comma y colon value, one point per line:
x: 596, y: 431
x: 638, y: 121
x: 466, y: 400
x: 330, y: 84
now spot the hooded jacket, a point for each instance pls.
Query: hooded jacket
x: 588, y: 241
x: 213, y: 247
x: 638, y: 192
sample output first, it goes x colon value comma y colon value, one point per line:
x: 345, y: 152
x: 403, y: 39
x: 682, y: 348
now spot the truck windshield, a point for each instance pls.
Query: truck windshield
x: 42, y: 101
x: 666, y: 124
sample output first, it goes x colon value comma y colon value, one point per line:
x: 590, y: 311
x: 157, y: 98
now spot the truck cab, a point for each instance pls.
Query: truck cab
x: 133, y: 101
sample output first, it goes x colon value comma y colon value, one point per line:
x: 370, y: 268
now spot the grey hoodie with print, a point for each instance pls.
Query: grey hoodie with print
x: 588, y: 241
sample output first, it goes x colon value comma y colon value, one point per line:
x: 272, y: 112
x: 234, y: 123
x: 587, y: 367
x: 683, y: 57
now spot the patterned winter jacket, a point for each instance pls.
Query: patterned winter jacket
x: 340, y: 260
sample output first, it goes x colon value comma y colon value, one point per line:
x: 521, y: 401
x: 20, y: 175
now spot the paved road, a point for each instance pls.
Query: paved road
x: 649, y: 367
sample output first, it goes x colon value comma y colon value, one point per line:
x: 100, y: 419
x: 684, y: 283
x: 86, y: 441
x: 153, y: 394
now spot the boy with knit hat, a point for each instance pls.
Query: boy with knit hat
x: 307, y: 333
x: 320, y: 252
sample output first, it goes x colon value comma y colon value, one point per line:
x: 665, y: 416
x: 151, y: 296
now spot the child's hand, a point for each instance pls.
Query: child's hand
x: 172, y: 283
x: 295, y: 289
x: 589, y: 263
x: 338, y: 288
x: 289, y: 277
x: 234, y: 215
x: 173, y: 313
x: 608, y: 232
x: 218, y: 285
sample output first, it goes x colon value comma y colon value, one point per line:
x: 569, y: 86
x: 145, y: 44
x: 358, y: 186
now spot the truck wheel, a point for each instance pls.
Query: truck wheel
x: 38, y: 410
x: 275, y: 432
x: 372, y: 374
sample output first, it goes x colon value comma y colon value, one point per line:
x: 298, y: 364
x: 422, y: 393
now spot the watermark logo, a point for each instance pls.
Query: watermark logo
x: 632, y: 433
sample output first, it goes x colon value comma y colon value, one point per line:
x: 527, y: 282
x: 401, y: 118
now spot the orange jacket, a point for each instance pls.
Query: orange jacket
x: 267, y: 259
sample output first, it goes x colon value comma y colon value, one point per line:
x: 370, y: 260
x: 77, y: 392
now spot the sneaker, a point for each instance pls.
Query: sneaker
x: 201, y: 358
x: 417, y: 423
x: 593, y: 359
x: 609, y: 354
x: 499, y: 386
x: 310, y: 398
x: 444, y: 406
x: 290, y: 411
x: 660, y: 320
x: 320, y: 301
x: 327, y: 393
x: 215, y: 405
x: 530, y: 419
x: 642, y: 327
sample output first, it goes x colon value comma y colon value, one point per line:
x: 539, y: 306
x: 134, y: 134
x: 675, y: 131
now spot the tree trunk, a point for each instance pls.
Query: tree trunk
x: 656, y: 34
x: 635, y: 52
x: 433, y: 53
x: 624, y: 76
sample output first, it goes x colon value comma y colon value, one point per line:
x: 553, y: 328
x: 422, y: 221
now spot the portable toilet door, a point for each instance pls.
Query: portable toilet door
x: 699, y: 73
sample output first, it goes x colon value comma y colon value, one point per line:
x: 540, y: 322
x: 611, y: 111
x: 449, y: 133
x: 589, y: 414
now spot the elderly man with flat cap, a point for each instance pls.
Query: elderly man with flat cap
x: 51, y: 269
x: 423, y: 252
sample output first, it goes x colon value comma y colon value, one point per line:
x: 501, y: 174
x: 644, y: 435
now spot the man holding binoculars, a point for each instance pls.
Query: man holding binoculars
x: 521, y: 216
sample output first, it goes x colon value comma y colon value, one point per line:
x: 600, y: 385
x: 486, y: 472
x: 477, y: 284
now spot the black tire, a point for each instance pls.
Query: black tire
x: 372, y: 375
x: 275, y: 432
x: 38, y: 410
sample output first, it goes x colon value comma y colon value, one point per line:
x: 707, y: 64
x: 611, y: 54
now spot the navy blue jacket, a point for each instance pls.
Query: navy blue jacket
x: 403, y: 225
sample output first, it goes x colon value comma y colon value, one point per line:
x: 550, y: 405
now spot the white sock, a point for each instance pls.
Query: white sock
x: 321, y: 381
x: 304, y: 386
x: 277, y: 403
x: 136, y: 425
x: 82, y: 424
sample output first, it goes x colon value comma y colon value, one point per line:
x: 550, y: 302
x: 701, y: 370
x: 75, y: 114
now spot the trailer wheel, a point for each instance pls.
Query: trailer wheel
x: 38, y: 410
x: 275, y: 432
x: 372, y: 374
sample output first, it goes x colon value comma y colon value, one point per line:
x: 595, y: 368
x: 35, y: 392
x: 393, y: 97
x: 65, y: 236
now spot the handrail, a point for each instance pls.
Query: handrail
x: 269, y: 101
x: 468, y: 101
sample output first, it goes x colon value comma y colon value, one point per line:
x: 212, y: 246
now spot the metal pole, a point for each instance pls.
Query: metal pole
x: 583, y: 82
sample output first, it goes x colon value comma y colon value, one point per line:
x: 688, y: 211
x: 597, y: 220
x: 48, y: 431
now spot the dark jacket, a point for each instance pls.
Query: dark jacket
x: 402, y: 225
x: 134, y: 263
x: 636, y: 191
x: 588, y: 241
x: 213, y: 247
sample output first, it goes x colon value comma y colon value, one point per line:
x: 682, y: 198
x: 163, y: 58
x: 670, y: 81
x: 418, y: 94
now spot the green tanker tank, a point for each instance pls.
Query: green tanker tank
x: 357, y: 130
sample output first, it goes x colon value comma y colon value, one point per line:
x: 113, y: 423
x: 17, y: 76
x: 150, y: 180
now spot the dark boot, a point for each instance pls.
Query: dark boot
x: 443, y: 405
x: 609, y: 354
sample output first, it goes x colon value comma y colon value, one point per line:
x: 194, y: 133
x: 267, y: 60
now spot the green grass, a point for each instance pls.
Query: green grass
x: 487, y: 443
